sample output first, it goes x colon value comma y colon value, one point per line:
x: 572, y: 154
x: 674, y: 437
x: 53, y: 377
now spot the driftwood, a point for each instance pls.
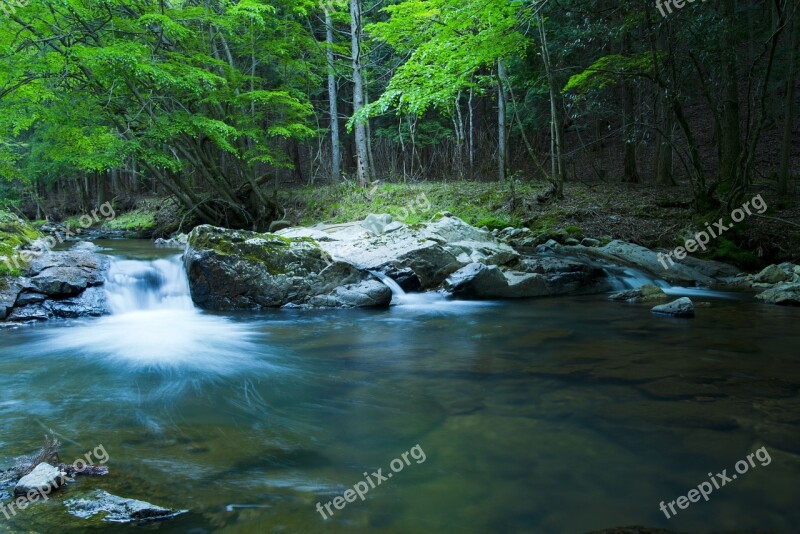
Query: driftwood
x: 91, y: 470
x: 48, y: 453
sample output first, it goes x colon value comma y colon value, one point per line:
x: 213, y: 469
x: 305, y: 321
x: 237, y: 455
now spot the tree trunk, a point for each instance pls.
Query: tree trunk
x: 788, y: 125
x: 502, y: 134
x: 471, y: 135
x: 556, y: 150
x: 362, y: 150
x: 730, y: 135
x: 630, y: 170
x: 336, y: 150
x: 664, y: 156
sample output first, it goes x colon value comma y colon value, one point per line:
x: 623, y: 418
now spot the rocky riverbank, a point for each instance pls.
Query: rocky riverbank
x: 342, y: 266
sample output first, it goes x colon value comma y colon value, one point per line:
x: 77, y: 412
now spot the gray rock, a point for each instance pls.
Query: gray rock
x: 405, y: 277
x: 30, y: 297
x: 366, y: 294
x: 683, y: 307
x: 786, y: 294
x: 432, y: 251
x: 177, y: 242
x: 91, y: 303
x: 43, y: 479
x: 9, y: 293
x: 687, y: 270
x: 646, y: 293
x: 234, y: 270
x: 771, y: 275
x: 477, y: 280
x: 31, y: 312
x: 589, y: 242
x: 377, y: 224
x: 62, y: 284
x: 571, y: 242
x: 116, y: 509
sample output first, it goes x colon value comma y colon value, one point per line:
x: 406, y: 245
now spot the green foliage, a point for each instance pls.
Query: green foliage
x: 449, y: 43
x: 609, y: 70
x: 86, y: 86
x: 494, y: 223
x: 727, y: 251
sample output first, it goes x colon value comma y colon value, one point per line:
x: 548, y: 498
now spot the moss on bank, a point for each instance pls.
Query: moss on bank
x: 14, y: 233
x: 273, y: 251
x: 491, y: 204
x: 655, y: 217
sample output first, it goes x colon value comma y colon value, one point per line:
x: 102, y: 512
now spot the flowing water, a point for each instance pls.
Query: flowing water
x: 547, y: 415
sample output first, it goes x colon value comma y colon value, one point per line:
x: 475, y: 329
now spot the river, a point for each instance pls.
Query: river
x: 567, y: 414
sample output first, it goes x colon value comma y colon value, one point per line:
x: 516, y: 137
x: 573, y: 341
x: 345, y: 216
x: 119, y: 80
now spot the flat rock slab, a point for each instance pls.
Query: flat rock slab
x: 117, y: 509
x: 432, y: 251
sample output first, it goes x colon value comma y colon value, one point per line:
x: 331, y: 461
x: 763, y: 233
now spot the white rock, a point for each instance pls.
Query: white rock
x: 42, y: 479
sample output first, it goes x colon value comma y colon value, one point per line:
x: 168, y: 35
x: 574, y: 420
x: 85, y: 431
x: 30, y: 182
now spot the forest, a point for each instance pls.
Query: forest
x: 220, y: 106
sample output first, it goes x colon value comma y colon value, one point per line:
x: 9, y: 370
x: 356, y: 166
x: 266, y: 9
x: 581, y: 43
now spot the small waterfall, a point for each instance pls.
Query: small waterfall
x: 622, y: 278
x: 397, y: 291
x: 133, y: 286
x: 155, y: 325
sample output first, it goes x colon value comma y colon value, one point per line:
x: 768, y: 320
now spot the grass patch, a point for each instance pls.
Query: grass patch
x: 490, y: 204
x: 132, y: 221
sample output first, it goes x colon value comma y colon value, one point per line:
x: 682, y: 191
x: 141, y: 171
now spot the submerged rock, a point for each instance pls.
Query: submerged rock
x: 117, y: 509
x: 238, y: 270
x: 683, y: 307
x: 646, y: 293
x: 43, y: 479
x: 786, y: 294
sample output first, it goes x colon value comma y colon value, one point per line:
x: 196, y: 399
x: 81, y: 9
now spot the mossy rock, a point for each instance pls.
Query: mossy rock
x: 275, y: 252
x: 15, y: 233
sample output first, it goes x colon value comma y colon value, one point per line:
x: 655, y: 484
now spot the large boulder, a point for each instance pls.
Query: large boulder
x: 237, y: 270
x: 62, y: 284
x: 786, y: 294
x: 432, y: 251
